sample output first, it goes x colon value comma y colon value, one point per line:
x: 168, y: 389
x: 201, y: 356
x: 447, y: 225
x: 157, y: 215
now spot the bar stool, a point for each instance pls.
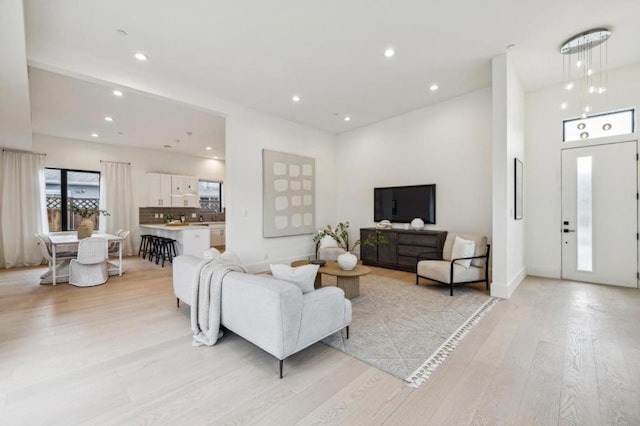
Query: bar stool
x: 165, y: 250
x: 154, y: 248
x: 145, y: 245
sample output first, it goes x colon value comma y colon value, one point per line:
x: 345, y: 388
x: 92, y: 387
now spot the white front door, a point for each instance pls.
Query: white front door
x: 600, y: 214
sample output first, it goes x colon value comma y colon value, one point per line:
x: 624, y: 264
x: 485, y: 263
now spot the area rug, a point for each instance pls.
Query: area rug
x: 409, y: 330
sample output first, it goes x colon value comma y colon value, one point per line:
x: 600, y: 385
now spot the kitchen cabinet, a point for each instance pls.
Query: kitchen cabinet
x: 185, y: 191
x: 217, y: 234
x: 193, y: 240
x: 159, y: 190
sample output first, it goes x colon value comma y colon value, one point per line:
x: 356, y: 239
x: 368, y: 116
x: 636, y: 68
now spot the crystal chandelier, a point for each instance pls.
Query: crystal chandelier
x: 584, y: 66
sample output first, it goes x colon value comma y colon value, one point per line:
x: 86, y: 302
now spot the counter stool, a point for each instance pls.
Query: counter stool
x: 165, y: 250
x: 154, y: 247
x: 145, y: 245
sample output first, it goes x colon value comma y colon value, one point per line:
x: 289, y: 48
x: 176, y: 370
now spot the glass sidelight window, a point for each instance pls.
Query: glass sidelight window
x: 584, y: 196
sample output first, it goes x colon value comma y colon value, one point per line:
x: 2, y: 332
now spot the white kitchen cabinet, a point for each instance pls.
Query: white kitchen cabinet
x: 185, y: 191
x: 217, y: 234
x: 195, y: 243
x: 193, y: 240
x: 159, y: 190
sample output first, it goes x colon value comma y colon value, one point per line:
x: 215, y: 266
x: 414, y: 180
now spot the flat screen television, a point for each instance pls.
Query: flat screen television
x: 405, y: 203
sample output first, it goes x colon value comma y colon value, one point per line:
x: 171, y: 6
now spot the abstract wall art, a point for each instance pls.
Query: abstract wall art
x: 288, y: 194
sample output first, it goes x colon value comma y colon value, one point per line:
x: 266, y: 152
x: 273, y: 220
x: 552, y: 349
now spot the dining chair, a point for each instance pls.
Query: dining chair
x: 62, y: 259
x: 114, y: 247
x: 90, y: 268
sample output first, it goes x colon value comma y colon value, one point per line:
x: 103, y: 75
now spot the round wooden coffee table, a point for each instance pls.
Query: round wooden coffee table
x: 348, y: 281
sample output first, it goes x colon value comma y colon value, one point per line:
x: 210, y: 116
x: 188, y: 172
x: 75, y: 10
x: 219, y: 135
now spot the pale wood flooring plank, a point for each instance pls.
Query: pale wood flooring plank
x: 557, y: 352
x: 579, y: 398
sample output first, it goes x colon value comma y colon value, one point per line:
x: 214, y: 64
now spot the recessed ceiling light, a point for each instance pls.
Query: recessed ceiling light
x: 295, y: 98
x: 208, y: 148
x: 117, y: 93
x: 433, y: 87
x: 564, y: 105
x: 141, y: 56
x: 109, y: 119
x: 389, y: 53
x: 347, y: 118
x: 94, y: 135
x: 123, y: 33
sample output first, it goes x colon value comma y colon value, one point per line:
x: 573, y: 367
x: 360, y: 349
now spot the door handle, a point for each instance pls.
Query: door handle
x: 568, y: 230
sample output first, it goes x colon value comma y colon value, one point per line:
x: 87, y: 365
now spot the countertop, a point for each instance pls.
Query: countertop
x: 191, y: 227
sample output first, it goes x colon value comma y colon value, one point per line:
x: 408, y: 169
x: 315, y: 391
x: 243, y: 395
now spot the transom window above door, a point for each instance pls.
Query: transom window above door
x: 599, y: 125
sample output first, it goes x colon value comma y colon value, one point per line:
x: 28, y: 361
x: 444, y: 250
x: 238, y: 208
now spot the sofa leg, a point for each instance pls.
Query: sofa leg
x: 281, y: 363
x: 417, y: 278
x: 347, y: 332
x: 451, y: 290
x: 177, y: 302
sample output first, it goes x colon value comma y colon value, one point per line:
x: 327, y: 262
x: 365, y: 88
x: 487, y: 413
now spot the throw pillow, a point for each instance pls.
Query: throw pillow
x: 230, y: 257
x: 303, y: 276
x: 212, y: 253
x: 463, y: 248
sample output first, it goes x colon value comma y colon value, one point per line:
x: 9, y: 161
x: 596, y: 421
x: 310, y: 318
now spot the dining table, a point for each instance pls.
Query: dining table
x: 70, y: 239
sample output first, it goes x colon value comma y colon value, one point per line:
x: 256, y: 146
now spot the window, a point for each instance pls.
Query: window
x: 211, y: 197
x: 65, y: 188
x: 599, y: 125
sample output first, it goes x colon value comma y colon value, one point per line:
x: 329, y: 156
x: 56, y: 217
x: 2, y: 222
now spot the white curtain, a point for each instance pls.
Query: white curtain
x: 22, y: 208
x: 117, y: 199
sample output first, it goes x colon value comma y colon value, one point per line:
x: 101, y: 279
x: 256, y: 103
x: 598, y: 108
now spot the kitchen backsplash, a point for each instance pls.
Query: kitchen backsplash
x: 148, y: 214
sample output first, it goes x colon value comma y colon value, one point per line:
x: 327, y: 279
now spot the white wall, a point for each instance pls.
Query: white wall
x: 508, y: 143
x: 248, y: 133
x: 15, y: 112
x: 542, y: 173
x: 448, y: 144
x: 81, y: 155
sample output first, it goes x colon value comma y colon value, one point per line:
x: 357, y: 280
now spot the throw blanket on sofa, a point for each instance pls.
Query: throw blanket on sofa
x: 206, y: 300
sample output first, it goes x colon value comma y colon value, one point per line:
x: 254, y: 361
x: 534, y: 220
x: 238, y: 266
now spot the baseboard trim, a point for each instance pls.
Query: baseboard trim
x: 506, y: 290
x: 544, y: 271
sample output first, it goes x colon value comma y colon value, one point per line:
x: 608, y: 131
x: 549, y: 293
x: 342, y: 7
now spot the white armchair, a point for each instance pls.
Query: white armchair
x: 327, y: 249
x: 460, y: 264
x: 90, y: 268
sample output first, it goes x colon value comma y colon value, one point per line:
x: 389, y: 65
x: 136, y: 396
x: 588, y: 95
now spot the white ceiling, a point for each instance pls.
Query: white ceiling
x: 330, y: 52
x: 68, y: 107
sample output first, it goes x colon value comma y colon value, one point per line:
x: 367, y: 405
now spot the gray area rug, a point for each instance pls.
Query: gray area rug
x: 408, y: 330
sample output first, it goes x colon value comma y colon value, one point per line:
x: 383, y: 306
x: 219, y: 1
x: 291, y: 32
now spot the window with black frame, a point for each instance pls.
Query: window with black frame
x: 66, y: 188
x: 211, y: 200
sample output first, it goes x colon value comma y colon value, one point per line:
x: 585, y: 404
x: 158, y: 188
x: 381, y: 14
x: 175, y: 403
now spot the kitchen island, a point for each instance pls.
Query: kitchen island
x: 191, y: 239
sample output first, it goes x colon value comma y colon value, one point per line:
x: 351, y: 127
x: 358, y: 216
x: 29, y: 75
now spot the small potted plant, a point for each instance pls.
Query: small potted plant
x: 340, y: 234
x: 85, y: 229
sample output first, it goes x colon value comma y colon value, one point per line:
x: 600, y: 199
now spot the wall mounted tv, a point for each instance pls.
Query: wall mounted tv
x: 405, y: 203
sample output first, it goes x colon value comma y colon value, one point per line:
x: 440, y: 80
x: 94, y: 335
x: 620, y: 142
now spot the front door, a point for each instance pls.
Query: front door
x: 600, y: 214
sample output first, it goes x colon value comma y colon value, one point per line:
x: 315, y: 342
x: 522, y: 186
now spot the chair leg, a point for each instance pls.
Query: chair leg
x: 417, y: 278
x: 451, y: 290
x: 281, y: 363
x: 177, y: 302
x: 347, y: 332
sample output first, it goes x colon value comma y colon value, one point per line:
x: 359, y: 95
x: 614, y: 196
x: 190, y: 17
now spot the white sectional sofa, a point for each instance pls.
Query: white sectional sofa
x: 272, y: 314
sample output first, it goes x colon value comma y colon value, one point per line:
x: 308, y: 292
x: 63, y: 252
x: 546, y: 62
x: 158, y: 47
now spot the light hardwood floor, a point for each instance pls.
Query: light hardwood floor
x: 555, y: 353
